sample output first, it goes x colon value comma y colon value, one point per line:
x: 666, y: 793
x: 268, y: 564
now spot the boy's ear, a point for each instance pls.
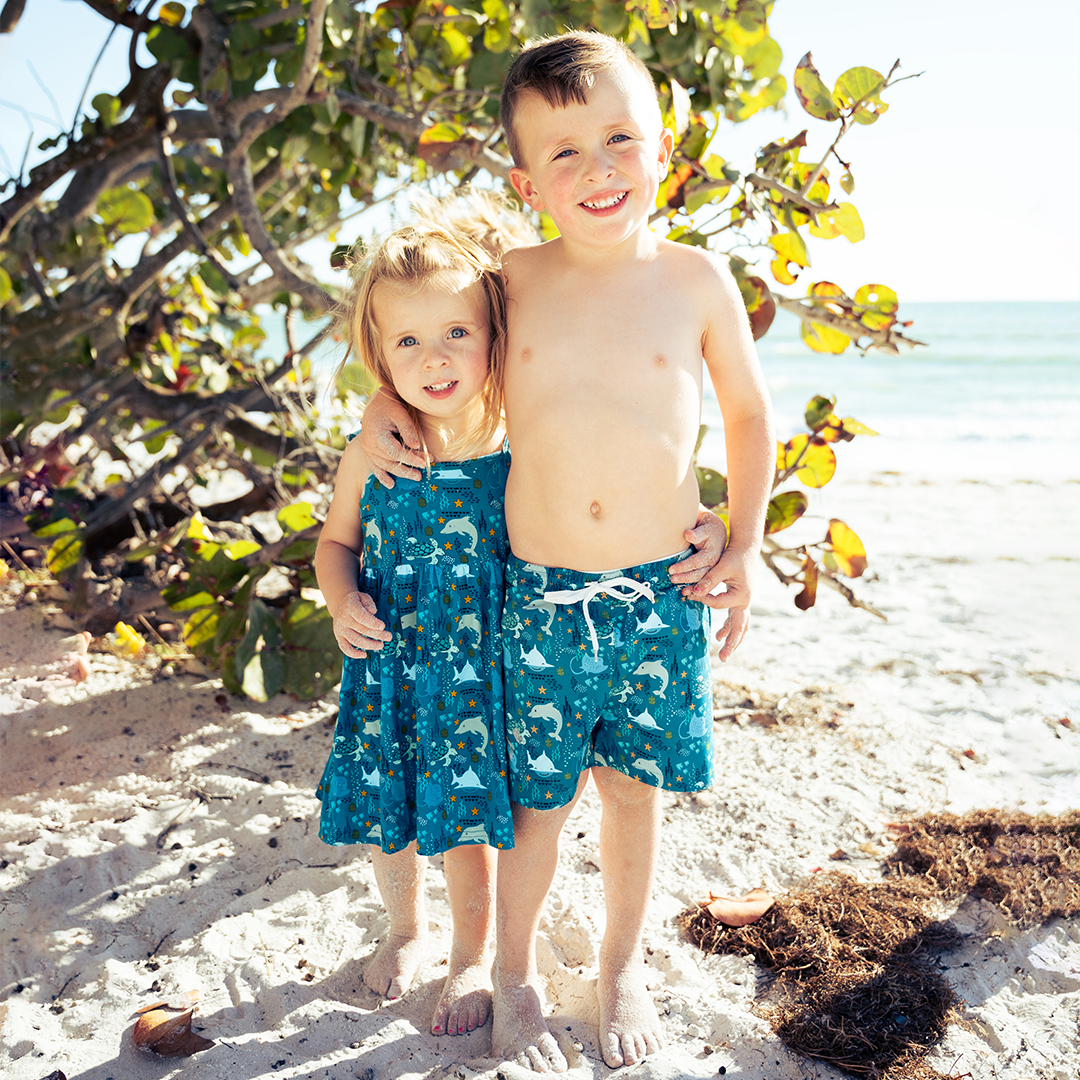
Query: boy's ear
x: 667, y: 148
x: 519, y: 178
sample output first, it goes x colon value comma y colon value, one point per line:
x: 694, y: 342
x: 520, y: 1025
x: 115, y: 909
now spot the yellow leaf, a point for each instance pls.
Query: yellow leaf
x: 197, y: 528
x: 129, y: 642
x: 824, y: 339
x: 812, y: 458
x: 843, y: 221
x: 847, y: 549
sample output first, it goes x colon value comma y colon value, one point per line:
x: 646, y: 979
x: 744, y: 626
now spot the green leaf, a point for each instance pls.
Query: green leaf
x: 125, y: 211
x: 712, y: 487
x: 166, y: 44
x: 263, y: 675
x: 56, y: 528
x: 818, y: 411
x: 64, y: 553
x: 784, y: 510
x: 847, y: 181
x: 813, y: 94
x: 857, y: 89
x: 295, y: 517
x: 312, y: 657
x: 171, y: 14
x: 107, y: 108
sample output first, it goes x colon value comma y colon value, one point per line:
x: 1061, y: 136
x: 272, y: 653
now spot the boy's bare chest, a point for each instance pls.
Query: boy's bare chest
x: 586, y: 339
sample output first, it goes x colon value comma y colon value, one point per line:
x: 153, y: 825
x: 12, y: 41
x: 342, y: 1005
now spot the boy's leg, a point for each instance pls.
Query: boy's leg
x: 629, y: 845
x: 470, y: 887
x: 519, y: 1031
x: 401, y: 885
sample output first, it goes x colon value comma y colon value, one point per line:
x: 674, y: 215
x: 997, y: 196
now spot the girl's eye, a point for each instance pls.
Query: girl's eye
x: 407, y: 341
x: 459, y: 332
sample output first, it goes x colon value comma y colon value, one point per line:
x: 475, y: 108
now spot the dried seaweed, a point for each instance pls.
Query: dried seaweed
x: 1027, y: 864
x: 856, y: 979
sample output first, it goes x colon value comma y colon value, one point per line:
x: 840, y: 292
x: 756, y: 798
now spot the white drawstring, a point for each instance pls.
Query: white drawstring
x: 593, y: 589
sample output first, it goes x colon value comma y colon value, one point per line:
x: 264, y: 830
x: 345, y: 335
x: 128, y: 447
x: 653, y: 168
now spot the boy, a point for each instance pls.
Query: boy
x: 607, y: 669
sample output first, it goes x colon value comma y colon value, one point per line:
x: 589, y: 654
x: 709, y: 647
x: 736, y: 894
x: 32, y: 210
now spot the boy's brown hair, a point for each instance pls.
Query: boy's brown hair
x: 562, y: 69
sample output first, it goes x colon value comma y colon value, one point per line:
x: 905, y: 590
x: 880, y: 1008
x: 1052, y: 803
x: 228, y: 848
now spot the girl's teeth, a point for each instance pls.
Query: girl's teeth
x: 440, y: 386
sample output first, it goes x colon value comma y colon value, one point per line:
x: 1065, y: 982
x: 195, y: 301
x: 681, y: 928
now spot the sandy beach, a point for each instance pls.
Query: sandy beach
x: 159, y: 837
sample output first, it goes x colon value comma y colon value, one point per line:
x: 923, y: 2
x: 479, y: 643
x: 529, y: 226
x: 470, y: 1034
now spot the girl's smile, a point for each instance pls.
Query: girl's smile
x: 435, y: 342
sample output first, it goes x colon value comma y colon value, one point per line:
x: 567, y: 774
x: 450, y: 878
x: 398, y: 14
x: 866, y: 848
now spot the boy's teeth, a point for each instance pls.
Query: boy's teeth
x: 603, y: 204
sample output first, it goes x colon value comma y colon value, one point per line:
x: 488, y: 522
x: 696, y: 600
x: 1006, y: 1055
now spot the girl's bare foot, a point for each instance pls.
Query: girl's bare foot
x: 391, y: 970
x: 629, y: 1026
x: 465, y: 1002
x: 519, y: 1032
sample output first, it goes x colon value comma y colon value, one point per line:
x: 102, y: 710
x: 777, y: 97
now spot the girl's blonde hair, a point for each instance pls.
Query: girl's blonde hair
x: 456, y: 242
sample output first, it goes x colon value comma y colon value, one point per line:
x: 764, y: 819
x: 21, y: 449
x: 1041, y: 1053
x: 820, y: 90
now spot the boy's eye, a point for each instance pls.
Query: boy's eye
x: 563, y: 153
x: 619, y: 138
x: 459, y: 332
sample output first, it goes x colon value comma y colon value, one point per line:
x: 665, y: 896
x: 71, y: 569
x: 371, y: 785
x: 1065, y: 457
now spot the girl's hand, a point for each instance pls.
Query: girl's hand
x: 709, y: 537
x: 735, y: 572
x: 357, y: 628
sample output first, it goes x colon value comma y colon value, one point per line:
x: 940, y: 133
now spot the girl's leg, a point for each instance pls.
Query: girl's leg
x: 401, y: 886
x: 470, y: 888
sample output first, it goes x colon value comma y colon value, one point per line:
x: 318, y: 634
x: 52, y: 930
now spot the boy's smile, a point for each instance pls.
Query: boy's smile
x: 595, y: 168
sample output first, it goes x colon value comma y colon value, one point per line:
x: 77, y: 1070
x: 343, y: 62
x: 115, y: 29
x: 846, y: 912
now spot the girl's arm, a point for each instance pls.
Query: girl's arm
x: 338, y: 561
x: 390, y: 440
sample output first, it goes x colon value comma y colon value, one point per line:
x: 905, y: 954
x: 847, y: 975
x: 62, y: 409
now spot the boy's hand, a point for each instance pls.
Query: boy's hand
x: 734, y: 571
x: 357, y: 628
x: 709, y: 537
x: 390, y: 441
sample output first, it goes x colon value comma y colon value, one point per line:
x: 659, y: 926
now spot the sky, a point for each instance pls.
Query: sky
x: 966, y: 186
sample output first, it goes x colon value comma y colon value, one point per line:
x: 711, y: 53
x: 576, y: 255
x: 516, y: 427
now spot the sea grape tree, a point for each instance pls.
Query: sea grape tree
x: 144, y: 257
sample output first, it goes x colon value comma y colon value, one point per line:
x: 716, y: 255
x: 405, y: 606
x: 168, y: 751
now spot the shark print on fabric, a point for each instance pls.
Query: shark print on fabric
x: 420, y: 746
x: 639, y: 700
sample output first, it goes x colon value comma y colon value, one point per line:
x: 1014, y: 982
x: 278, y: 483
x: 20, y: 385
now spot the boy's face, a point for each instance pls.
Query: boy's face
x: 595, y: 168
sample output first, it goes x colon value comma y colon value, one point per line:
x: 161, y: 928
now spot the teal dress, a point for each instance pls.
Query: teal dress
x: 420, y: 746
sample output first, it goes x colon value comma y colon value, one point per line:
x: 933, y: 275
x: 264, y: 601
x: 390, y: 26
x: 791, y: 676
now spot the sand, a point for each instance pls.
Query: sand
x: 159, y: 836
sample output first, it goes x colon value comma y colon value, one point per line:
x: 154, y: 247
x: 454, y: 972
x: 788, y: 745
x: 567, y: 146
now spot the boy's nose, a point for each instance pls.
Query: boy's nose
x: 600, y: 167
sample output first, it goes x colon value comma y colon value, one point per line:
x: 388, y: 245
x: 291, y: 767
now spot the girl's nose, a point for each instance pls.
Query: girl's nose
x: 436, y: 357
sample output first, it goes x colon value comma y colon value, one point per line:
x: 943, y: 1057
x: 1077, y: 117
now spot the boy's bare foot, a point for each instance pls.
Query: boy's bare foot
x: 519, y: 1032
x: 465, y: 1002
x: 629, y: 1026
x: 390, y: 971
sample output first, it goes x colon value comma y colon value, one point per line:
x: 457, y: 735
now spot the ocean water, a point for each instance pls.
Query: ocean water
x: 994, y: 394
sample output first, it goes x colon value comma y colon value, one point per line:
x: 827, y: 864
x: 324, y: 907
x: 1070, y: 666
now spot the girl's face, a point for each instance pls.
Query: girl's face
x: 435, y: 342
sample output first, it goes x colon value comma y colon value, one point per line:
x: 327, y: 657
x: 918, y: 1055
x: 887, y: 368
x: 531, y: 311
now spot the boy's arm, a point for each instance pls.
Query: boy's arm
x: 730, y: 356
x: 390, y: 440
x: 338, y: 559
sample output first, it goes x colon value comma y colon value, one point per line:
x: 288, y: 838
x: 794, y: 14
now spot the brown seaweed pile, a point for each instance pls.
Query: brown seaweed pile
x: 856, y: 981
x: 1027, y: 864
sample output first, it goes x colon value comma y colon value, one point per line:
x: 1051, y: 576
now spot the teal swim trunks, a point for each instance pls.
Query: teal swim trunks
x: 604, y: 669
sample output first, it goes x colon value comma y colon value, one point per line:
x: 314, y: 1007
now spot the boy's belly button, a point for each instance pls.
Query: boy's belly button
x: 595, y: 509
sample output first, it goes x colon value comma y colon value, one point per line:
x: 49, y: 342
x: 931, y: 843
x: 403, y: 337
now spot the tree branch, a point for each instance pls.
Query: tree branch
x: 790, y: 194
x: 887, y: 340
x: 86, y: 151
x: 254, y: 126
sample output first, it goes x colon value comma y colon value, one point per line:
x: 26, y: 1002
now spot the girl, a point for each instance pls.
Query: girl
x: 413, y: 578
